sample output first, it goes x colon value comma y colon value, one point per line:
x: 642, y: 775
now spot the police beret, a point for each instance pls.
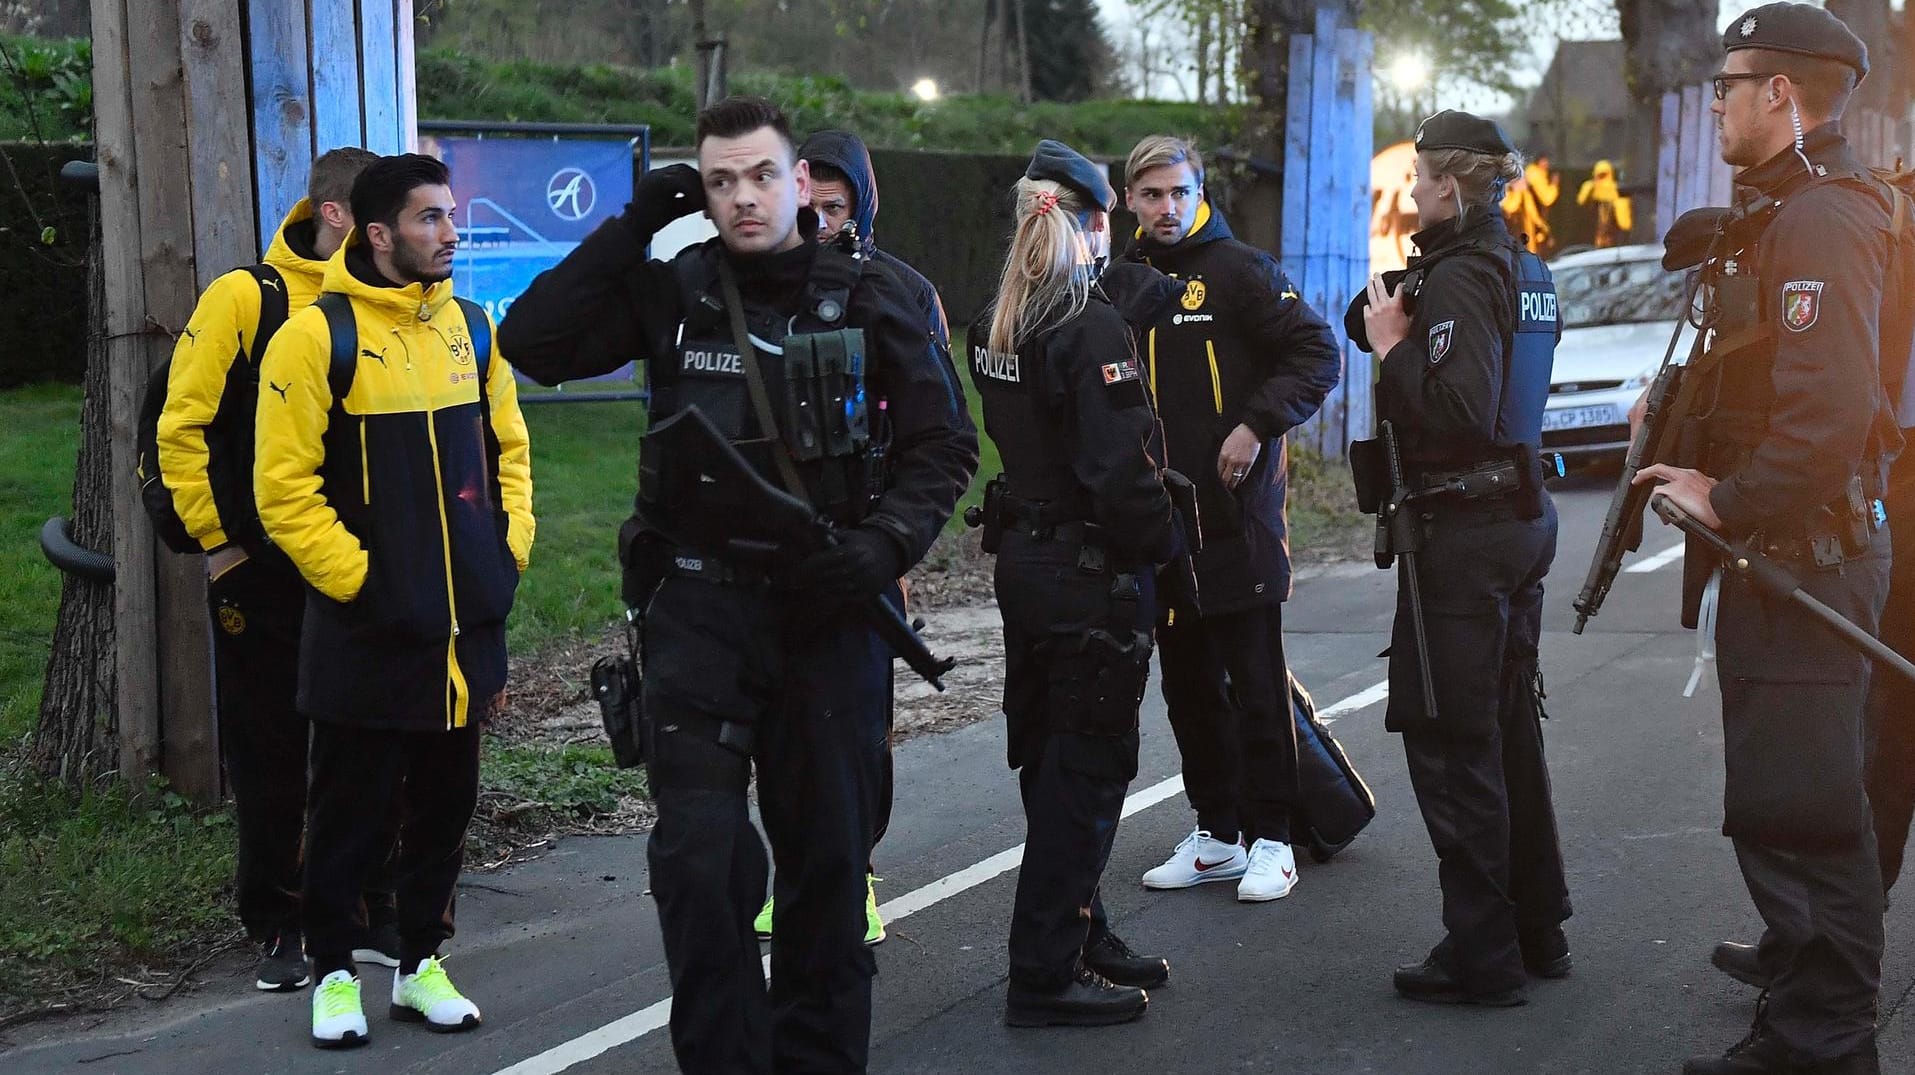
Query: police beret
x: 1450, y: 129
x: 1799, y: 28
x: 1060, y: 163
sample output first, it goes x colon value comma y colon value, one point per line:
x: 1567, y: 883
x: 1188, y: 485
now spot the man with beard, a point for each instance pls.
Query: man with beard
x: 758, y: 654
x: 1238, y: 362
x: 392, y: 468
x: 1793, y: 458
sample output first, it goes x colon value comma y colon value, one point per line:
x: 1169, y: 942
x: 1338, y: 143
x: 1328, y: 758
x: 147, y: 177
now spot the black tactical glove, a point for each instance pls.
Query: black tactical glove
x: 664, y: 195
x: 859, y: 566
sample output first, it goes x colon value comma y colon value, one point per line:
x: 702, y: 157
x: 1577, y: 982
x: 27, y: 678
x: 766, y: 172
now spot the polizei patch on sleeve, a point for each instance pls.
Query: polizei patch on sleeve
x: 1801, y: 304
x: 1115, y: 372
x: 1441, y: 336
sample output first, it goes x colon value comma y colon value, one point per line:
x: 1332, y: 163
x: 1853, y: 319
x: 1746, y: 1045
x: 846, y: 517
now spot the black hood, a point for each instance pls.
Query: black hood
x: 1210, y: 226
x: 846, y: 152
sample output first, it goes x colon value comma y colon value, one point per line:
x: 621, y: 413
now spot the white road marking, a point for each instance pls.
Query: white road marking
x: 1655, y: 563
x: 629, y: 1028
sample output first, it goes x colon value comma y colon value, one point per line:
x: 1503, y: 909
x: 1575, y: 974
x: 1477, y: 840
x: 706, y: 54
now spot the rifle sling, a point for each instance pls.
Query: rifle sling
x: 755, y: 382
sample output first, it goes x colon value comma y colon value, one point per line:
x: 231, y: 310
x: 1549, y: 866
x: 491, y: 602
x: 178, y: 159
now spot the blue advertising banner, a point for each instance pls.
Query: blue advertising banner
x: 525, y: 203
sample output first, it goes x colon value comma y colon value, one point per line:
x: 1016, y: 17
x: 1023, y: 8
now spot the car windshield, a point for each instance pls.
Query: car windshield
x: 1618, y: 293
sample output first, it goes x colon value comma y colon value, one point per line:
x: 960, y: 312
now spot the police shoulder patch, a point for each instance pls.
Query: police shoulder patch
x: 1114, y: 372
x: 1441, y: 336
x: 1801, y: 304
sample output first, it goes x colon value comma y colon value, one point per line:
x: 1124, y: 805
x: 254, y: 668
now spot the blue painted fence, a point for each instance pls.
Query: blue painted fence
x: 1326, y: 206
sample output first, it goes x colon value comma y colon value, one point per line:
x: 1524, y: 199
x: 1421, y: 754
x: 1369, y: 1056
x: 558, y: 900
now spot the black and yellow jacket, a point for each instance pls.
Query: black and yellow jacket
x: 1239, y: 347
x: 205, y: 434
x: 406, y: 505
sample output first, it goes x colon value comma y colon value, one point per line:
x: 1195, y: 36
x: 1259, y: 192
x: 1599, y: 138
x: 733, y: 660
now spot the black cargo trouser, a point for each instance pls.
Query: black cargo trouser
x: 256, y: 607
x: 1794, y: 803
x: 1227, y: 687
x: 1478, y: 770
x: 1077, y: 656
x: 803, y: 700
x: 364, y: 781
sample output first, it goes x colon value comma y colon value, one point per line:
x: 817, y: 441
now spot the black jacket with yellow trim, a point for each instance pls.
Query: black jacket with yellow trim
x: 205, y: 434
x: 1240, y: 347
x: 406, y: 505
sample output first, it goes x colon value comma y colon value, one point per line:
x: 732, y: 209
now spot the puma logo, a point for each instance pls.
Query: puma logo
x: 269, y: 282
x: 189, y: 334
x: 367, y: 352
x: 281, y: 391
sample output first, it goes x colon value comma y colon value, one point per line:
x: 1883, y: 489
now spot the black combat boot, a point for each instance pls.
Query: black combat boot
x: 1429, y: 981
x: 1108, y: 955
x: 1739, y: 961
x: 1763, y: 1054
x: 1546, y: 954
x: 1089, y: 999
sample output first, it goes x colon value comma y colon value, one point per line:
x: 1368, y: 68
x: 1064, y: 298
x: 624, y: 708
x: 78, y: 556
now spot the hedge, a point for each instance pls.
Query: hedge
x: 43, y: 236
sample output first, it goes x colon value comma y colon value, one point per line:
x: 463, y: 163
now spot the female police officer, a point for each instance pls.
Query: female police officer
x: 1467, y: 338
x: 1077, y: 520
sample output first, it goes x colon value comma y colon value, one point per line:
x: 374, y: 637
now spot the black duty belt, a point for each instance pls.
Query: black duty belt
x: 1482, y: 481
x: 688, y: 564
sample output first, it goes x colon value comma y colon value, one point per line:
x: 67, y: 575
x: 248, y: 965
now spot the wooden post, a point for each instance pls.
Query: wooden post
x: 192, y: 184
x: 1358, y: 378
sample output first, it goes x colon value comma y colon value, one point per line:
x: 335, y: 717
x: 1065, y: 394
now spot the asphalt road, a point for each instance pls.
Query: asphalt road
x: 564, y: 957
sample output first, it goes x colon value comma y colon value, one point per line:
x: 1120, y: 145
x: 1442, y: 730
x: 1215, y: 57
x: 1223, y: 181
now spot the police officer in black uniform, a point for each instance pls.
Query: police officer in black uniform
x: 1078, y: 520
x: 756, y: 657
x: 1791, y: 457
x: 1467, y: 336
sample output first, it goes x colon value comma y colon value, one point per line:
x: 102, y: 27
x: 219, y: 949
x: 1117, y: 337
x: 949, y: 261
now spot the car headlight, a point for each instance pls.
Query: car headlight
x: 1641, y: 380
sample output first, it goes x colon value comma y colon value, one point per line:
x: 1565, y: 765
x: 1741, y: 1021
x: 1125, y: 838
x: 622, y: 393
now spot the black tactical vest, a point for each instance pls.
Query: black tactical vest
x: 1030, y: 437
x: 814, y: 369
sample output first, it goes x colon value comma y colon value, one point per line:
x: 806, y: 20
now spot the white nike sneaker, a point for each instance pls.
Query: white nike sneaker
x: 1199, y: 858
x: 1271, y: 875
x: 427, y: 996
x: 338, y: 1021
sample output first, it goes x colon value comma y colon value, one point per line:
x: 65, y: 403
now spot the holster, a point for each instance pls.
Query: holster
x: 618, y: 687
x: 1370, y: 471
x: 1098, y: 677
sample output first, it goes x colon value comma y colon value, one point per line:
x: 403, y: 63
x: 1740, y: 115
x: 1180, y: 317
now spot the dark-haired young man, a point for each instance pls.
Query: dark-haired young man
x: 756, y: 656
x: 396, y: 476
x: 205, y: 441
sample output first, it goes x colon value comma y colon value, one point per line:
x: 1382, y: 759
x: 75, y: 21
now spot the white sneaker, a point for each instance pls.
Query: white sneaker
x: 338, y: 1021
x: 1199, y: 858
x: 427, y: 996
x: 1271, y: 875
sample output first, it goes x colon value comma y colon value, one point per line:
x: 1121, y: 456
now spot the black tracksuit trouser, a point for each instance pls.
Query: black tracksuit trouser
x: 1227, y: 688
x: 256, y: 608
x: 363, y: 780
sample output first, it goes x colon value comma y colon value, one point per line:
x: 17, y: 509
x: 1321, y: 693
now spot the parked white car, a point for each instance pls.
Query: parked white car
x: 1619, y: 307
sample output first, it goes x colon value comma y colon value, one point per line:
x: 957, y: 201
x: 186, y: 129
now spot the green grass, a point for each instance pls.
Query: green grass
x: 578, y: 780
x: 92, y: 884
x: 37, y: 452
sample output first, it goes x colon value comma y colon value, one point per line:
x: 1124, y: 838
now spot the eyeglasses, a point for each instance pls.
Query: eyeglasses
x: 1721, y: 83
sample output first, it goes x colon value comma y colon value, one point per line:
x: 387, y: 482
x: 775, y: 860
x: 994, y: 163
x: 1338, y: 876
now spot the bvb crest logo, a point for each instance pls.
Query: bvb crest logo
x: 231, y: 620
x: 1193, y: 295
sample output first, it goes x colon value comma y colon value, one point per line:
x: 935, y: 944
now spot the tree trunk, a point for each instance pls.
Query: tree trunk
x: 1884, y: 89
x: 1023, y: 51
x: 77, y: 741
x: 1203, y: 57
x: 1265, y: 70
x: 1668, y: 44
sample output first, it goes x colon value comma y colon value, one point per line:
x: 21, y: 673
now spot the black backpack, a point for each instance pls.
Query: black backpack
x: 154, y: 495
x: 344, y: 330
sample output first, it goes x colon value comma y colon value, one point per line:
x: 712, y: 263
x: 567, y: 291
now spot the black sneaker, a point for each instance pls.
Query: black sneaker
x: 380, y: 945
x: 1429, y: 981
x: 1109, y: 956
x: 1090, y: 999
x: 282, y: 966
x: 1546, y: 955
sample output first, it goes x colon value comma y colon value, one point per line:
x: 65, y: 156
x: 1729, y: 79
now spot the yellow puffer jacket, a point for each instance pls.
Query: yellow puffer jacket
x: 205, y: 431
x: 406, y: 505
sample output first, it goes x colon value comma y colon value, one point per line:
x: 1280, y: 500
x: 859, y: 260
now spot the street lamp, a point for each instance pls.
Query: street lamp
x: 926, y: 90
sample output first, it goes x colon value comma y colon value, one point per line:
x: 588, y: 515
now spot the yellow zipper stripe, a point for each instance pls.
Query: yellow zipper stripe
x: 456, y: 697
x: 365, y: 469
x: 1216, y: 382
x: 1153, y: 362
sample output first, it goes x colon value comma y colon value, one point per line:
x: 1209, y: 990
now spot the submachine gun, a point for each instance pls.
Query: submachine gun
x: 1383, y: 489
x: 786, y: 524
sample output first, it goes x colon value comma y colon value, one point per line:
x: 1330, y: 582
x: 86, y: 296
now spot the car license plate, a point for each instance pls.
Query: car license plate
x: 1604, y: 414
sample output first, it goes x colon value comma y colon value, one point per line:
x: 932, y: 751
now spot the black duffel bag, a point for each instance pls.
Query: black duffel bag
x: 1337, y: 804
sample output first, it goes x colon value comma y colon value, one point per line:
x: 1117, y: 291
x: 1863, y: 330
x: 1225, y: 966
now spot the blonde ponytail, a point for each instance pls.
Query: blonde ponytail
x: 1044, y: 271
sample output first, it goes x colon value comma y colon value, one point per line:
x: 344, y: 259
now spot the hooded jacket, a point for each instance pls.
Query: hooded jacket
x: 205, y: 432
x: 1239, y: 347
x: 847, y: 153
x: 406, y: 505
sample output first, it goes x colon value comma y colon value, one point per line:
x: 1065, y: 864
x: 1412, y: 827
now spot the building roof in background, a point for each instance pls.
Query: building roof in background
x: 1590, y: 77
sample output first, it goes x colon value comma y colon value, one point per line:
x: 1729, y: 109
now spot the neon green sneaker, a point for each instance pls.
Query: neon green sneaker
x: 429, y: 997
x: 762, y: 924
x: 338, y: 1020
x: 873, y: 925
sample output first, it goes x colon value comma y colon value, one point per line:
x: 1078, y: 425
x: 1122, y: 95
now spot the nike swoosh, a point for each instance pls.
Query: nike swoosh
x: 1289, y: 875
x: 1203, y: 866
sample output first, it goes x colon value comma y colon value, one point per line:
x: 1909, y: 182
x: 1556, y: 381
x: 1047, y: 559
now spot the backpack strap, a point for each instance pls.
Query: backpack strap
x: 343, y: 328
x: 481, y: 330
x: 273, y: 309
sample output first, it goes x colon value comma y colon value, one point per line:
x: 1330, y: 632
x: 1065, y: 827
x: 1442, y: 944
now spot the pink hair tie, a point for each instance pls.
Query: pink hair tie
x: 1044, y: 201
